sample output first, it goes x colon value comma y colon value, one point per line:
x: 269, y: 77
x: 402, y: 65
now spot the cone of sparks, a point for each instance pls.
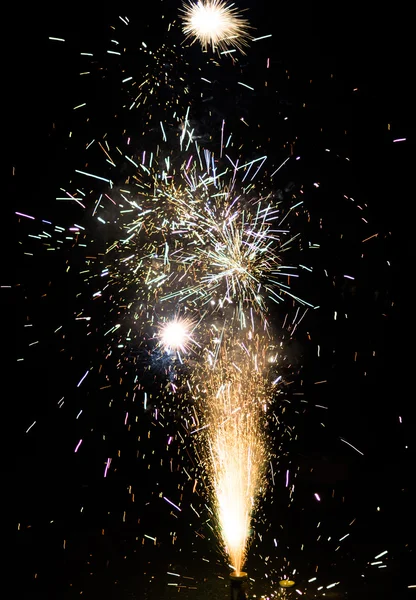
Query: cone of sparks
x: 236, y: 399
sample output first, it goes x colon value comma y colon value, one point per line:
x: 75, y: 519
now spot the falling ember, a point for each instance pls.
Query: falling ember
x: 215, y: 23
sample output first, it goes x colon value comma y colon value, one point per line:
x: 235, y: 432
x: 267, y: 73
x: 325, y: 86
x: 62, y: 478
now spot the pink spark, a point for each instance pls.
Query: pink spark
x: 82, y: 379
x: 78, y: 445
x: 107, y: 466
x: 23, y: 215
x: 174, y: 505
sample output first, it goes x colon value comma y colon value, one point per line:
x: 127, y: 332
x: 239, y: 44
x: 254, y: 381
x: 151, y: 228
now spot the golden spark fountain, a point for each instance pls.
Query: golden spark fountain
x: 237, y: 397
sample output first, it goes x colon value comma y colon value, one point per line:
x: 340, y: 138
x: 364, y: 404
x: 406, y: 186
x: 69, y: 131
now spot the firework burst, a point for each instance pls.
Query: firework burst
x: 240, y: 254
x: 175, y: 335
x: 217, y: 24
x: 192, y: 229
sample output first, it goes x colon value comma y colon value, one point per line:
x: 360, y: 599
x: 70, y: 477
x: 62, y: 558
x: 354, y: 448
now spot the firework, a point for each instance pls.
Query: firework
x: 235, y: 403
x: 240, y: 252
x: 191, y: 245
x: 237, y: 459
x: 190, y: 229
x: 215, y: 23
x: 176, y: 335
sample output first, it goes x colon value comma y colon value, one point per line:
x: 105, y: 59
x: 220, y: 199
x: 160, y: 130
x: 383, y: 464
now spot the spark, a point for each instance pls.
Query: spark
x: 82, y: 379
x: 245, y: 85
x: 263, y: 37
x: 356, y: 449
x: 174, y: 505
x: 26, y: 216
x: 94, y: 176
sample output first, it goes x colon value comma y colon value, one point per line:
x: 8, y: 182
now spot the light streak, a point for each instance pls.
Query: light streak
x: 94, y: 176
x: 170, y: 502
x: 263, y: 37
x: 245, y: 85
x: 30, y: 427
x: 356, y: 449
x: 82, y: 379
x: 23, y: 215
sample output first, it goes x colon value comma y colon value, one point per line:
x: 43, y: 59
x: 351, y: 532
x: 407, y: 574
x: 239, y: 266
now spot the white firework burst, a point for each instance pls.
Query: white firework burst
x: 215, y: 23
x: 175, y: 335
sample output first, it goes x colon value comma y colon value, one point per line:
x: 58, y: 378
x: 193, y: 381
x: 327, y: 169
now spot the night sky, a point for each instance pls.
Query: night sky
x: 337, y: 95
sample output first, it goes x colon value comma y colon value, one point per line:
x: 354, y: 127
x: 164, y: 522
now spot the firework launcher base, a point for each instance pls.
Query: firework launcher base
x: 239, y: 586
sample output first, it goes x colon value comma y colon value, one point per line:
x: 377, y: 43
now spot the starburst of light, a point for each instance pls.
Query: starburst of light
x: 215, y: 23
x: 241, y: 257
x: 176, y: 334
